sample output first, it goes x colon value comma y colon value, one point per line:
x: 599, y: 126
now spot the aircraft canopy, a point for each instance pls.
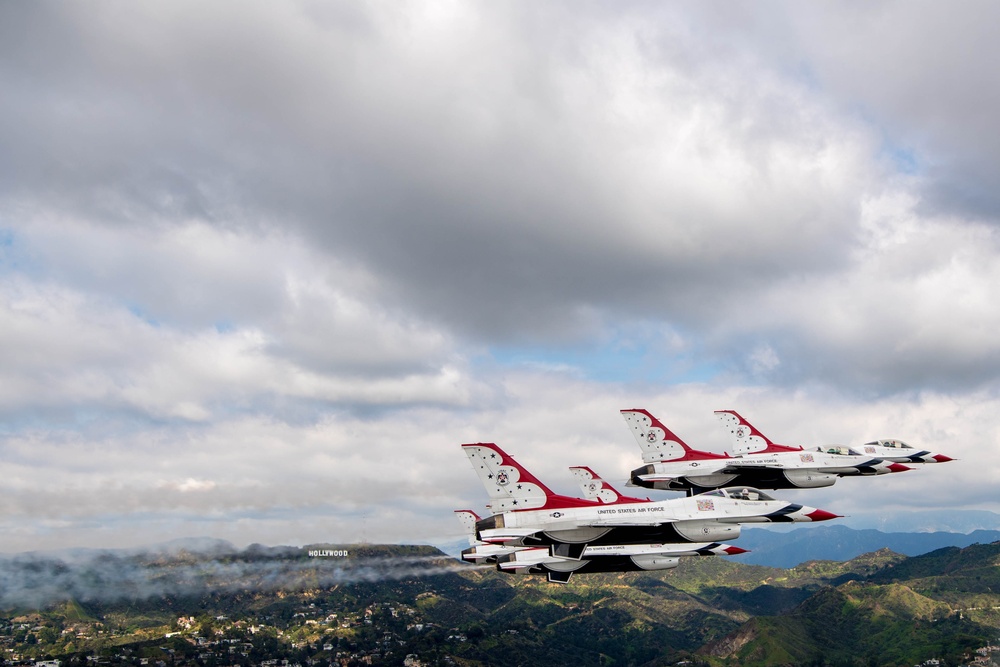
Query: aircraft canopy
x: 738, y: 493
x: 840, y: 450
x: 895, y: 444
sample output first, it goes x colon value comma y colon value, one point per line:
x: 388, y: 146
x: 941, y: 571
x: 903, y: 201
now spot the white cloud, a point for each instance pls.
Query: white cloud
x: 913, y: 310
x: 503, y: 170
x: 251, y: 479
x: 256, y: 259
x: 114, y: 341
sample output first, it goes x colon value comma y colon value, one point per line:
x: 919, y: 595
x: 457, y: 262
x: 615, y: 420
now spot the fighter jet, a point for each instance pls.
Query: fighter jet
x: 672, y: 465
x: 746, y: 438
x: 607, y: 558
x: 897, y: 450
x: 528, y: 513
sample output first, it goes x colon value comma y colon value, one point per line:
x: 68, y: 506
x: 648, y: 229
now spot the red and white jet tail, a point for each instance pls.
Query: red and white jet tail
x: 657, y: 442
x: 746, y: 438
x: 510, y: 485
x: 595, y: 488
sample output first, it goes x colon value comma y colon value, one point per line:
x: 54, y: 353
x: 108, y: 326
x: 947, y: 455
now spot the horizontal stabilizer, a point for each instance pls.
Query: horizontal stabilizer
x: 656, y: 477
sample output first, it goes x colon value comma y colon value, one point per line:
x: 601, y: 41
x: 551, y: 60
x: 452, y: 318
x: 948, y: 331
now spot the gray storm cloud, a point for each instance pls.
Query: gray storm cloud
x: 505, y: 175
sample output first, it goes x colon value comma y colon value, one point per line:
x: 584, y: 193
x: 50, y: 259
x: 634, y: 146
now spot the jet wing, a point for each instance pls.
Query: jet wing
x: 657, y: 477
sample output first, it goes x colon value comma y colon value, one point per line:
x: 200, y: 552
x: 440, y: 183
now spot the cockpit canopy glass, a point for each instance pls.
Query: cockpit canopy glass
x: 738, y: 493
x: 840, y: 450
x: 895, y: 444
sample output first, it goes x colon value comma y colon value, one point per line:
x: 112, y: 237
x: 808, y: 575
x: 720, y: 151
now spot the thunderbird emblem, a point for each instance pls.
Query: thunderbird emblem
x: 502, y: 478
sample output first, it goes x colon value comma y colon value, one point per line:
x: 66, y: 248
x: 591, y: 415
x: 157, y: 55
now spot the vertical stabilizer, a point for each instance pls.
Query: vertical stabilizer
x: 747, y: 439
x: 468, y: 519
x: 509, y: 485
x: 595, y: 488
x: 655, y: 440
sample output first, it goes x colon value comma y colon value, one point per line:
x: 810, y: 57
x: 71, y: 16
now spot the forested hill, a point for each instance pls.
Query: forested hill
x: 379, y: 604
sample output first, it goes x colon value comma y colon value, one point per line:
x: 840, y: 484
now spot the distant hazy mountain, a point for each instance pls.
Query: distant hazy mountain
x: 925, y: 521
x: 840, y: 543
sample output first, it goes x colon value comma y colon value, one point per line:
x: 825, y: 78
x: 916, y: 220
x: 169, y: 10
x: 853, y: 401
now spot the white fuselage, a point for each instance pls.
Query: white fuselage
x: 714, y: 516
x: 900, y: 452
x: 527, y: 556
x: 835, y: 464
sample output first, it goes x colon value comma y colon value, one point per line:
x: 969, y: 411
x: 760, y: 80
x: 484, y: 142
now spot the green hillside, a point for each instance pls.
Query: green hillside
x: 919, y: 612
x: 877, y: 609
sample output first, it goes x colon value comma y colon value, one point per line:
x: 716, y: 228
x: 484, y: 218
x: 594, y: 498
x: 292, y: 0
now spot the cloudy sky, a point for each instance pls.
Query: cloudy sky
x: 264, y: 266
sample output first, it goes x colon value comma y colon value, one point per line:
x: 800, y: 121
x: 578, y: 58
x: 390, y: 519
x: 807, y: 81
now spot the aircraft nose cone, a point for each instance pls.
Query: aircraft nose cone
x: 898, y: 467
x: 733, y: 551
x: 822, y: 515
x: 941, y: 458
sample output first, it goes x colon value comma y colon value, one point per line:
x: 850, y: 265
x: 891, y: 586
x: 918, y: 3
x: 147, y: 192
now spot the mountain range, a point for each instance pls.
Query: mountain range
x: 380, y: 604
x: 840, y: 543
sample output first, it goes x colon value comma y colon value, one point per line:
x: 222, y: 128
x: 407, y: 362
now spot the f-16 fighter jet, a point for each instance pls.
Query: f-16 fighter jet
x: 673, y: 466
x: 607, y: 558
x: 897, y: 450
x: 528, y: 513
x: 746, y: 438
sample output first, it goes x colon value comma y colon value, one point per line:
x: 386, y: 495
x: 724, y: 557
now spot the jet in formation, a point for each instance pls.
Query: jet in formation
x: 597, y: 558
x: 672, y: 465
x: 748, y: 440
x: 896, y: 450
x: 534, y: 530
